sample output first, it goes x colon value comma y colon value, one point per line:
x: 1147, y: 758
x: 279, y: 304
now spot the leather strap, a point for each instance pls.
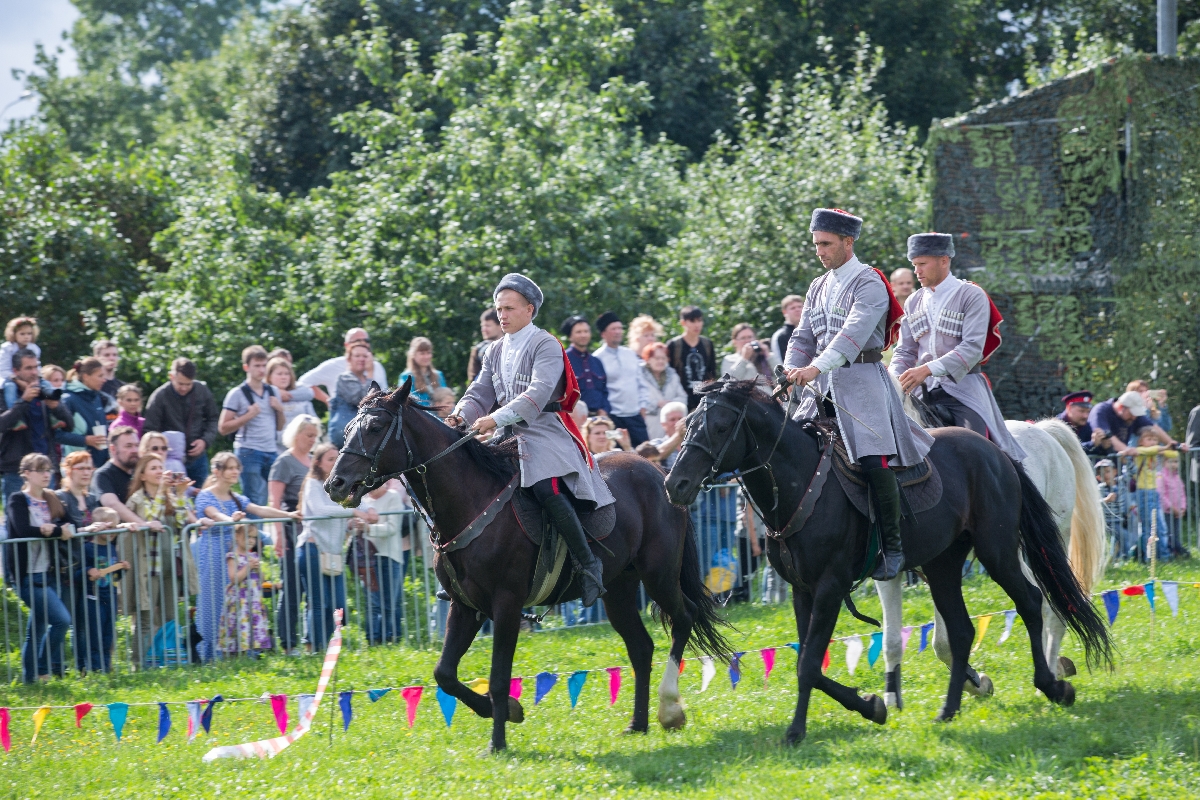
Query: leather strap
x: 812, y: 494
x: 472, y: 531
x: 867, y: 357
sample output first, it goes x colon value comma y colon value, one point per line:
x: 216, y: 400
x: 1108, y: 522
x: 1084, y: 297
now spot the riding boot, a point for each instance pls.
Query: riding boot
x: 565, y: 519
x: 886, y: 490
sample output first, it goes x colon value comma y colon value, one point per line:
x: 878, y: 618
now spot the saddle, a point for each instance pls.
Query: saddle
x: 920, y: 484
x: 552, y: 550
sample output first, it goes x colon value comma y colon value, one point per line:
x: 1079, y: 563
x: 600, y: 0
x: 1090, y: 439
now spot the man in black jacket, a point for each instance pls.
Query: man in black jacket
x: 186, y: 404
x: 27, y: 426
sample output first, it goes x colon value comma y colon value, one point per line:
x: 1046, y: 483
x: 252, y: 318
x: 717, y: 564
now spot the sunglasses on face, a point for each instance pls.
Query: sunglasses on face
x: 157, y: 449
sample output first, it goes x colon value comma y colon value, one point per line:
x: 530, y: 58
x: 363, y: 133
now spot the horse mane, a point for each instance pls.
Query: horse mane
x: 496, y: 460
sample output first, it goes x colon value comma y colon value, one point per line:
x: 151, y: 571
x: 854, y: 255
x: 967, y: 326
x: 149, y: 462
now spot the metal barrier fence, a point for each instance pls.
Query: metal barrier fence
x: 1151, y: 504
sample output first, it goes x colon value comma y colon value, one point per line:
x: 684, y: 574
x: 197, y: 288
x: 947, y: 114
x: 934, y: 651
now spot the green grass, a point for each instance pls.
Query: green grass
x: 1132, y: 733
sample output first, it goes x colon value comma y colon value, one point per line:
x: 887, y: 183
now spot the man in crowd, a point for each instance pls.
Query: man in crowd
x: 692, y: 355
x: 254, y: 411
x: 106, y: 351
x: 904, y: 283
x: 186, y: 405
x: 1075, y: 414
x: 489, y: 330
x: 950, y: 330
x: 589, y: 370
x: 1118, y: 422
x: 792, y: 307
x: 627, y: 396
x: 849, y: 319
x: 27, y: 426
x: 324, y: 377
x: 111, y: 482
x: 665, y: 449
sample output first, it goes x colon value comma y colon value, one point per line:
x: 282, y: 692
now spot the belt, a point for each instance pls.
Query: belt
x: 867, y: 357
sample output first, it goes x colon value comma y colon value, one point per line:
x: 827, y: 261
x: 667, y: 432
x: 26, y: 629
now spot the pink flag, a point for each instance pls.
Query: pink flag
x: 194, y: 711
x: 279, y: 706
x: 412, y: 696
x: 614, y: 684
x: 5, y: 739
x: 768, y: 657
x: 514, y: 687
x: 905, y: 632
x: 81, y: 711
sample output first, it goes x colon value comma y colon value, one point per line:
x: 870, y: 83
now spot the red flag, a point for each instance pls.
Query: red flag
x: 81, y: 711
x: 5, y: 738
x: 825, y: 661
x: 895, y: 312
x: 1130, y: 591
x: 412, y: 696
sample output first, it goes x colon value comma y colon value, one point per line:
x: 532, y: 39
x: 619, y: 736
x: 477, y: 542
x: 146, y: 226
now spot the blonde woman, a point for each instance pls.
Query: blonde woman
x: 604, y: 437
x: 296, y: 400
x: 644, y: 330
x: 420, y: 369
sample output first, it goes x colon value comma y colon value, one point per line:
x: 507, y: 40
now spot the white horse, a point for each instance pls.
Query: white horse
x: 1057, y: 465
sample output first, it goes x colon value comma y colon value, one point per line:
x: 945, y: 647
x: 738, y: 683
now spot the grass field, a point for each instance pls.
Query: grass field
x: 1132, y: 733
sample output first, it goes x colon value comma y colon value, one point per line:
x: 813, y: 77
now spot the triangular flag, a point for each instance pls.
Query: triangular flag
x: 575, y: 685
x: 984, y: 622
x: 614, y: 684
x: 905, y: 634
x: 81, y: 711
x: 542, y: 685
x: 344, y: 702
x: 1112, y: 604
x: 735, y: 669
x: 515, y: 687
x: 795, y: 646
x: 1150, y: 594
x: 39, y: 717
x: 479, y: 686
x: 206, y: 717
x: 374, y: 694
x: 768, y: 657
x: 825, y: 661
x: 682, y: 664
x: 926, y: 629
x: 164, y: 722
x: 304, y: 703
x: 1010, y: 617
x: 707, y: 671
x: 412, y: 696
x: 1170, y: 591
x: 279, y: 709
x: 875, y: 649
x: 448, y: 703
x: 1134, y: 590
x: 193, y: 710
x: 117, y: 714
x: 854, y: 649
x: 5, y: 737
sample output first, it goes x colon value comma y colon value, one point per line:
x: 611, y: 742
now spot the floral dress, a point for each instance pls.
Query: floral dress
x: 243, y: 623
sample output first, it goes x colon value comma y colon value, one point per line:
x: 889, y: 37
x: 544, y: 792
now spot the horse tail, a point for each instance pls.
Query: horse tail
x: 706, y: 636
x: 1052, y: 570
x: 1089, y: 541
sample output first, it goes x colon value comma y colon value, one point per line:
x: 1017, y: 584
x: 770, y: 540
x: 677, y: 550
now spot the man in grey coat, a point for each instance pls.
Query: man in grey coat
x: 523, y: 390
x: 850, y: 317
x: 949, y: 330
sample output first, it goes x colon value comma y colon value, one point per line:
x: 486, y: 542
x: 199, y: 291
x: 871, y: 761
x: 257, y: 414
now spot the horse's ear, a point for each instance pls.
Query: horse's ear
x: 375, y: 387
x: 401, y: 394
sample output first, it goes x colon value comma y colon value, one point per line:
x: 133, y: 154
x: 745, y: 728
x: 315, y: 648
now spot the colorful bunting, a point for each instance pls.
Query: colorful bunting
x: 905, y: 633
x: 279, y: 709
x: 479, y: 686
x: 854, y: 649
x: 575, y: 685
x: 206, y: 717
x: 682, y: 664
x: 117, y: 714
x: 926, y: 629
x: 164, y: 722
x: 303, y: 703
x: 1149, y: 590
x: 614, y: 684
x: 39, y: 717
x: 447, y: 703
x: 1010, y: 617
x: 412, y: 696
x: 542, y: 684
x: 345, y: 700
x: 795, y: 646
x: 5, y: 738
x: 876, y: 648
x: 1132, y: 591
x: 1170, y: 590
x: 374, y: 695
x: 707, y: 671
x: 193, y: 710
x: 81, y: 711
x: 515, y: 687
x: 981, y: 630
x: 1112, y: 604
x: 825, y: 661
x: 768, y: 657
x: 735, y: 669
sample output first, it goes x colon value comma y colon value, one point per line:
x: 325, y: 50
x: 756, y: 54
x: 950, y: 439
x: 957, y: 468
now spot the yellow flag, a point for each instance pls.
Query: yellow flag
x: 980, y: 630
x: 479, y: 686
x: 39, y: 717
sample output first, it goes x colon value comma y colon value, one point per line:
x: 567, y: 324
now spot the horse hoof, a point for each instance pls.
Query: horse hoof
x: 671, y: 716
x: 985, y: 688
x: 878, y: 711
x: 945, y: 716
x: 516, y: 713
x: 1067, y: 667
x: 794, y: 738
x: 1067, y: 699
x: 635, y: 728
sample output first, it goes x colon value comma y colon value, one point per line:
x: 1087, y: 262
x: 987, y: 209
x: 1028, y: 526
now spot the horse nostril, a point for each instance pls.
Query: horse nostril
x: 337, y: 483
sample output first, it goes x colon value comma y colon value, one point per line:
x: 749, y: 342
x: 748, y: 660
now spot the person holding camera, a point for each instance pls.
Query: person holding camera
x: 604, y: 437
x: 29, y: 423
x: 752, y: 358
x: 90, y: 407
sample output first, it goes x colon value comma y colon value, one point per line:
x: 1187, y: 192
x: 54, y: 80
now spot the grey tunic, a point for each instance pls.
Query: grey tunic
x: 952, y: 347
x: 547, y: 450
x: 849, y: 321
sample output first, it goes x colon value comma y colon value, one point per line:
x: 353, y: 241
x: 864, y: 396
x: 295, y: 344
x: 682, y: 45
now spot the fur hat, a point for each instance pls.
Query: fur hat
x: 930, y: 244
x: 569, y: 324
x: 606, y: 319
x: 522, y: 286
x: 835, y: 221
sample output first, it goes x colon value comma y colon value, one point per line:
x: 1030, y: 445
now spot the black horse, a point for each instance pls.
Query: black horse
x: 987, y: 503
x: 458, y: 481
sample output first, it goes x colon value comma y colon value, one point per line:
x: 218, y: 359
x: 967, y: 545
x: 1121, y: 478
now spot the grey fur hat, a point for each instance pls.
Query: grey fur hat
x: 835, y: 221
x: 522, y: 286
x: 930, y: 244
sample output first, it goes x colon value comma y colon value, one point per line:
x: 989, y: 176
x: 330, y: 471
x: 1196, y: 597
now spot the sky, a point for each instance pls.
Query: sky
x: 24, y: 23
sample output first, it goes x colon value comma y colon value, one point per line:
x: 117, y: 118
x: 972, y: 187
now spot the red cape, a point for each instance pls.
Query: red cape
x: 895, y: 312
x: 992, y: 341
x: 567, y: 404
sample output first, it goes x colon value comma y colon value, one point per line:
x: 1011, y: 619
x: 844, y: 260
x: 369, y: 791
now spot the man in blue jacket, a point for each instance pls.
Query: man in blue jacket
x: 28, y: 425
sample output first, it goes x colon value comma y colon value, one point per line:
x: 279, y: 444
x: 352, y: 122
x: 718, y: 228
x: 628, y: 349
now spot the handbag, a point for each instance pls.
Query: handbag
x: 332, y: 564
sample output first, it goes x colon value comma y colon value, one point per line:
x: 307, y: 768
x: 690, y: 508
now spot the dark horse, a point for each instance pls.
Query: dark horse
x: 651, y: 542
x: 987, y: 503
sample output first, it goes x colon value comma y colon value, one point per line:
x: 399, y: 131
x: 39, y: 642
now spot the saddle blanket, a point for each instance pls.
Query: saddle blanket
x: 920, y: 485
x: 552, y: 550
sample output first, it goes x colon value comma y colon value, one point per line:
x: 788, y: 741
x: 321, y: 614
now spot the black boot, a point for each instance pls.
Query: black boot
x: 886, y: 490
x: 591, y: 571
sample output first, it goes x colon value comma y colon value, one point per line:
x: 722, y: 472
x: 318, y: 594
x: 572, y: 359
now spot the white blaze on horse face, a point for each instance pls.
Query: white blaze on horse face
x: 670, y: 709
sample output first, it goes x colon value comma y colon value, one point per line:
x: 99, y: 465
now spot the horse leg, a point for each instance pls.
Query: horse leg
x: 802, y: 605
x: 944, y: 575
x: 620, y: 603
x: 1054, y: 631
x: 978, y: 683
x: 461, y: 626
x: 506, y: 626
x: 893, y: 645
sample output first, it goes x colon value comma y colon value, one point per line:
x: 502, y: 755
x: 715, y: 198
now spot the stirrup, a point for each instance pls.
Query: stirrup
x: 889, y: 566
x: 442, y: 594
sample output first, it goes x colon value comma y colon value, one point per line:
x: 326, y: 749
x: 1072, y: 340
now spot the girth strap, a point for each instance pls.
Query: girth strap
x: 812, y: 494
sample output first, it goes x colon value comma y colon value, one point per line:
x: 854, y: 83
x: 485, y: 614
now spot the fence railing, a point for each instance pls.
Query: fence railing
x: 1151, y: 503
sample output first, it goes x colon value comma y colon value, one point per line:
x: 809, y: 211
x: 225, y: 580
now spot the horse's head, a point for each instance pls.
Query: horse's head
x: 717, y: 440
x: 375, y: 446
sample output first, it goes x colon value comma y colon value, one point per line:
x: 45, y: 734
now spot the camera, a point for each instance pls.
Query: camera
x: 48, y: 392
x: 756, y: 347
x: 612, y: 435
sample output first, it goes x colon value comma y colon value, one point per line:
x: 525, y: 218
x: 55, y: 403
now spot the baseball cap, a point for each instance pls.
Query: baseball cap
x: 1134, y: 402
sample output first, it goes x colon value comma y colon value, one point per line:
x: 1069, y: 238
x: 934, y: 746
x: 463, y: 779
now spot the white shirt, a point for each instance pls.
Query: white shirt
x: 938, y: 297
x: 326, y: 374
x: 626, y: 395
x: 389, y: 535
x: 838, y: 278
x: 513, y: 345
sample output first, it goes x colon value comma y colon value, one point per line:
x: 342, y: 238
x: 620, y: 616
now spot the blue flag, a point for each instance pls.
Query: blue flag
x: 543, y: 684
x: 347, y: 710
x: 876, y: 648
x: 1150, y: 594
x: 575, y: 685
x: 117, y: 713
x: 206, y: 717
x: 735, y: 669
x: 795, y: 646
x: 374, y: 694
x: 164, y: 722
x: 447, y: 703
x: 926, y: 629
x: 1112, y: 604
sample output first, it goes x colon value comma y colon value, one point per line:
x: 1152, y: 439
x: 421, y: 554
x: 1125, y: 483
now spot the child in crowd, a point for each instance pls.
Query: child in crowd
x: 1173, y: 499
x: 1150, y: 515
x: 20, y: 333
x: 129, y: 398
x: 1115, y: 497
x: 100, y: 567
x: 243, y: 623
x: 442, y: 400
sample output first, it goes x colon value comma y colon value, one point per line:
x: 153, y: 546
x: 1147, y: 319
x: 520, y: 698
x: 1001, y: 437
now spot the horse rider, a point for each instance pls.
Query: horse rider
x: 527, y: 388
x: 949, y: 331
x: 850, y: 317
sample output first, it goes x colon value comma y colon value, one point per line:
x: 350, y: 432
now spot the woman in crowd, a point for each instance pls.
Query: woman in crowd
x: 643, y: 332
x: 662, y: 384
x: 296, y: 400
x: 385, y: 571
x: 54, y: 375
x: 603, y: 437
x: 420, y: 369
x: 129, y: 403
x: 751, y: 358
x: 89, y: 407
x: 283, y: 490
x: 76, y: 495
x: 30, y: 567
x: 220, y: 503
x: 351, y: 387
